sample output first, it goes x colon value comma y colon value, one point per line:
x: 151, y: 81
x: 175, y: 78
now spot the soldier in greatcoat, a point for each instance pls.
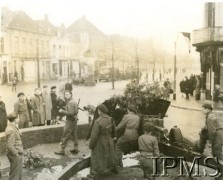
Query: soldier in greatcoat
x: 47, y: 104
x: 103, y: 155
x: 38, y: 108
x: 14, y: 148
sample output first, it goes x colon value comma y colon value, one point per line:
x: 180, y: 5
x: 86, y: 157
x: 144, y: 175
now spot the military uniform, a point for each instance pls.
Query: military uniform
x: 130, y: 124
x: 148, y: 147
x: 15, y: 151
x: 70, y: 127
x: 22, y: 110
x: 103, y: 155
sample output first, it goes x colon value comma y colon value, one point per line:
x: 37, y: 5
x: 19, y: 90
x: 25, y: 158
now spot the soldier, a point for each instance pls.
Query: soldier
x: 21, y: 109
x: 103, y: 155
x: 47, y: 104
x: 14, y: 148
x: 70, y: 125
x: 130, y: 125
x: 148, y: 147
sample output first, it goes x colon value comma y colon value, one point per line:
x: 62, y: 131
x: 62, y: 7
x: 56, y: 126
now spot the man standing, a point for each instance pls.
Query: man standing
x: 70, y: 125
x: 47, y: 104
x: 3, y: 116
x: 54, y: 104
x: 14, y: 148
x: 14, y: 83
x: 38, y: 108
x: 21, y: 109
x: 103, y: 155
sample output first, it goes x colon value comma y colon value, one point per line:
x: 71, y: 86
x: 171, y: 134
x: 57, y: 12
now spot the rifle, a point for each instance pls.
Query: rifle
x: 96, y: 115
x: 78, y: 105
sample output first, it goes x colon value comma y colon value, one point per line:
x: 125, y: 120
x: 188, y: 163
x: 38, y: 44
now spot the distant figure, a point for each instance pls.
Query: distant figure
x: 3, y: 116
x: 216, y: 93
x: 14, y: 84
x: 166, y: 84
x: 187, y: 87
x: 182, y: 87
x: 68, y: 86
x: 197, y: 88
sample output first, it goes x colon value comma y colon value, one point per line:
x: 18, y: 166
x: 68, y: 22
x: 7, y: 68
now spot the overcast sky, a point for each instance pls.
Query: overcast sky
x: 140, y: 18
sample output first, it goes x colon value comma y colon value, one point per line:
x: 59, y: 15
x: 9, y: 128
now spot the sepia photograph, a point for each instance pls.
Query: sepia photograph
x: 111, y: 90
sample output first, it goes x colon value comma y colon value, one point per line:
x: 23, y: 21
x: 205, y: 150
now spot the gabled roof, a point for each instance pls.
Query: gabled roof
x: 47, y: 27
x: 83, y: 25
x: 21, y: 20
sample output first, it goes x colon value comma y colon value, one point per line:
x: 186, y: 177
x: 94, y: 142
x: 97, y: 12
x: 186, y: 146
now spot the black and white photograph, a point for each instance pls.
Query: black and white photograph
x: 111, y: 90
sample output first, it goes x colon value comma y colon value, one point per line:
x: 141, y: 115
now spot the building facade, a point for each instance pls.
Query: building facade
x: 209, y: 43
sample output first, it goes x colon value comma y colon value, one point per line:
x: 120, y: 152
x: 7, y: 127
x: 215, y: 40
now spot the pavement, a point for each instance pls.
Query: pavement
x: 189, y: 104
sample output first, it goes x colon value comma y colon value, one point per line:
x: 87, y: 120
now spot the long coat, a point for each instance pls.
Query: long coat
x: 3, y: 117
x: 54, y: 105
x: 103, y: 155
x: 47, y: 105
x: 38, y: 112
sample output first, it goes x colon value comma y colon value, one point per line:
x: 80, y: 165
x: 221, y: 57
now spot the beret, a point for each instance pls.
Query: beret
x: 103, y: 108
x: 45, y: 86
x: 20, y: 94
x: 53, y: 87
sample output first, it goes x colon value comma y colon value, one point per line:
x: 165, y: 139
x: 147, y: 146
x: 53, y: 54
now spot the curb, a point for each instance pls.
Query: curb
x: 187, y: 108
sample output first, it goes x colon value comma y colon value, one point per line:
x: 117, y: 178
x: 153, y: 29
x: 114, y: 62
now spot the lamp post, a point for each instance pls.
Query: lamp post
x: 175, y: 69
x: 113, y: 71
x: 38, y: 69
x: 174, y: 72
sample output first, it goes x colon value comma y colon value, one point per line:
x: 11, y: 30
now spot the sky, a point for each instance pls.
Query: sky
x: 137, y: 18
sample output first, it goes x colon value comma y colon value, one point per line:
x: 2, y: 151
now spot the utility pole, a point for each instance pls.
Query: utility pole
x: 38, y: 73
x: 174, y: 71
x: 113, y: 71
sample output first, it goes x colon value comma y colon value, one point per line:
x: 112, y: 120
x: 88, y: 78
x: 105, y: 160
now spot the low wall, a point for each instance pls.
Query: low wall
x: 42, y: 135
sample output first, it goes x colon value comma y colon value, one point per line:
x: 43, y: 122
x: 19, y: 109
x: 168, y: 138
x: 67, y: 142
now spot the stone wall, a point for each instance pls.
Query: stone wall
x: 42, y: 135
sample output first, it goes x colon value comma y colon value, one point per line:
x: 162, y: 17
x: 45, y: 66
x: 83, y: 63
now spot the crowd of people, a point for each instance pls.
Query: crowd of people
x: 107, y: 141
x: 190, y: 85
x: 38, y: 110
